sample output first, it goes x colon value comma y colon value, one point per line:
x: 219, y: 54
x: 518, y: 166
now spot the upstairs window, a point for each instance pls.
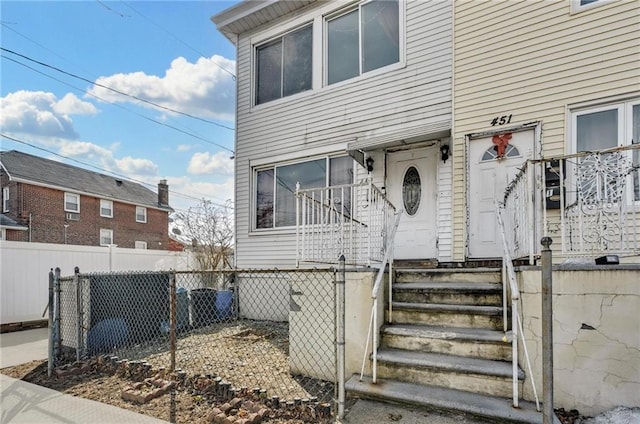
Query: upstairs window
x: 284, y: 65
x: 106, y: 208
x: 72, y: 202
x: 141, y: 245
x: 5, y: 199
x: 363, y: 39
x: 141, y: 214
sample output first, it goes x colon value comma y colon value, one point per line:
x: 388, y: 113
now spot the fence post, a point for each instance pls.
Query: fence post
x: 57, y: 336
x: 79, y: 313
x: 172, y: 320
x: 547, y: 332
x: 340, y: 345
x: 51, y: 329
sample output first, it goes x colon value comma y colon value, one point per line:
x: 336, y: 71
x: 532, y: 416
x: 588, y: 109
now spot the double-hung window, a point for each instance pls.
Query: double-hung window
x: 5, y: 199
x: 610, y: 126
x: 141, y: 214
x: 276, y: 186
x: 363, y: 39
x: 284, y: 65
x: 72, y: 202
x: 106, y: 237
x: 106, y: 208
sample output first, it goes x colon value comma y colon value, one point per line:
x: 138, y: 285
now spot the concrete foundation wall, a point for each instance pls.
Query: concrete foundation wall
x: 596, y: 332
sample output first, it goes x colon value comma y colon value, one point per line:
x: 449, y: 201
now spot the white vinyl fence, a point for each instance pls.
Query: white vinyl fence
x: 24, y: 271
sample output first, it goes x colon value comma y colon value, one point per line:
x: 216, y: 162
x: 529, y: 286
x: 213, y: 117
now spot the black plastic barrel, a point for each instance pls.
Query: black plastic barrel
x: 203, y: 307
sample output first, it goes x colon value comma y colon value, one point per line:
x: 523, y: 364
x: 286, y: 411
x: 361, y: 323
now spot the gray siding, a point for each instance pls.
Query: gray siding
x: 403, y: 98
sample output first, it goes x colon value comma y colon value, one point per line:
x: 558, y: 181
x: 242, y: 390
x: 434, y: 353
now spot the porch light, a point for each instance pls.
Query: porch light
x: 369, y: 163
x: 444, y: 152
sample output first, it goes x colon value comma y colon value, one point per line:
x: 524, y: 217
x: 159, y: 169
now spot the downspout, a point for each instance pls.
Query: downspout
x: 30, y: 218
x: 235, y: 160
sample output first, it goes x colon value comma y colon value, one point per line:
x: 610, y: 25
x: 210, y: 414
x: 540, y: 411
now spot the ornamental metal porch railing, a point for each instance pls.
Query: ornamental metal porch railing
x: 589, y: 200
x: 351, y: 220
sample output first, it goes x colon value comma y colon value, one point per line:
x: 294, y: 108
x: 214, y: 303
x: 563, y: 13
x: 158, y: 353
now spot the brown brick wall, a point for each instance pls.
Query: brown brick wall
x: 45, y: 208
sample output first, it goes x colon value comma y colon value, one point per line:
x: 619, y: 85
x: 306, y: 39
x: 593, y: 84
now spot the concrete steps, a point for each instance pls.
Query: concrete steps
x: 449, y: 315
x: 460, y: 293
x: 486, y: 408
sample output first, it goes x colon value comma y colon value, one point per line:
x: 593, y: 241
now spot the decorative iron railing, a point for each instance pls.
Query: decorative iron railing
x: 351, y: 220
x: 589, y: 200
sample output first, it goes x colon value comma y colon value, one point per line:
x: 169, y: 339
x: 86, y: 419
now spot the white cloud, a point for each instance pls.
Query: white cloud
x: 41, y: 114
x: 184, y: 147
x: 71, y: 105
x: 131, y: 166
x: 202, y: 88
x: 207, y: 163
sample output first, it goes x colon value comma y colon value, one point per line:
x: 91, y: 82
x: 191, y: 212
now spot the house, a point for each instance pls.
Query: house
x: 51, y: 202
x: 456, y: 135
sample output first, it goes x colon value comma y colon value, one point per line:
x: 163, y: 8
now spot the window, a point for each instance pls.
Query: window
x: 141, y: 214
x: 284, y: 66
x: 610, y: 126
x: 276, y: 187
x: 72, y: 202
x: 5, y: 199
x: 106, y: 237
x: 363, y: 39
x: 141, y: 245
x: 581, y: 5
x: 106, y: 208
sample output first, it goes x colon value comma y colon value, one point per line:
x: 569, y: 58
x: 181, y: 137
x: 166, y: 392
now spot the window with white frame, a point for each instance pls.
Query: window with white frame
x: 582, y: 5
x: 141, y: 214
x: 363, y: 39
x: 5, y: 199
x: 106, y: 237
x: 106, y: 208
x: 609, y: 126
x: 141, y: 245
x: 72, y: 202
x: 284, y: 65
x: 275, y: 203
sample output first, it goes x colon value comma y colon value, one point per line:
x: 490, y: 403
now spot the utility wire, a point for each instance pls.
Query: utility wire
x: 122, y: 107
x: 122, y: 15
x: 115, y: 90
x: 102, y: 169
x: 177, y: 38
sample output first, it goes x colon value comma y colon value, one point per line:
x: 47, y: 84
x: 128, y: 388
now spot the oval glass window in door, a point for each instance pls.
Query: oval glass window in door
x: 411, y: 191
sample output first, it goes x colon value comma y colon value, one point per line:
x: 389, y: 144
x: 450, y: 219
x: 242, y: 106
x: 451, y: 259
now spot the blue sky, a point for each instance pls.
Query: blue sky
x: 166, y: 52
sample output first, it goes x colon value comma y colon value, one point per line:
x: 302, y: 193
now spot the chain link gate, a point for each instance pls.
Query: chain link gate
x: 269, y: 335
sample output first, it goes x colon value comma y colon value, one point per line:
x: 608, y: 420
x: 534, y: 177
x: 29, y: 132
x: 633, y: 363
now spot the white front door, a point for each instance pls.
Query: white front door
x: 488, y: 179
x: 411, y: 186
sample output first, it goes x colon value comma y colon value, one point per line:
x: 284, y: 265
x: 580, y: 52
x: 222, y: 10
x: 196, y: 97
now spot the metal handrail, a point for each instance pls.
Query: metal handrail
x: 373, y: 323
x: 516, y: 324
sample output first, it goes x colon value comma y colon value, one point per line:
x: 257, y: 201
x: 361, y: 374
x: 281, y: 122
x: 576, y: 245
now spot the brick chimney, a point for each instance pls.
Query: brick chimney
x: 163, y: 193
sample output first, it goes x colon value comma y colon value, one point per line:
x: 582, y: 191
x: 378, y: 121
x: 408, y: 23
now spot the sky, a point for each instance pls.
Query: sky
x: 138, y: 89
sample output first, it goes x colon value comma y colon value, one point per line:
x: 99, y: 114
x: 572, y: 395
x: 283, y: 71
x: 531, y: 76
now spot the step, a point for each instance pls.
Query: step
x: 461, y: 293
x: 469, y: 316
x: 487, y: 408
x: 470, y: 275
x: 476, y: 375
x: 472, y: 342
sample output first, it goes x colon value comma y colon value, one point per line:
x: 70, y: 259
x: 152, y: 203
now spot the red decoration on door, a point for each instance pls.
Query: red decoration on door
x: 501, y: 142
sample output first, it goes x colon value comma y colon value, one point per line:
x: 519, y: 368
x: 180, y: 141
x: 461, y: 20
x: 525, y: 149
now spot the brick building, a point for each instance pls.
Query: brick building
x: 51, y: 202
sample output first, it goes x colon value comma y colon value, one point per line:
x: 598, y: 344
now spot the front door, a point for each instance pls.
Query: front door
x: 488, y: 179
x: 411, y: 186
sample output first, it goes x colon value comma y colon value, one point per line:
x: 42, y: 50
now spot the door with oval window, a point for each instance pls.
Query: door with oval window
x: 411, y: 186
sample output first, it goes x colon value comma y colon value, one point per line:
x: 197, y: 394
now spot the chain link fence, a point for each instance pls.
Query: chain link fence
x: 267, y: 332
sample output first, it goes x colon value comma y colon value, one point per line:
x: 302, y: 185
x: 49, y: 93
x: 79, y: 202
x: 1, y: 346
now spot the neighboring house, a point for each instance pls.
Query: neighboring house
x: 53, y: 202
x: 454, y: 113
x: 10, y: 229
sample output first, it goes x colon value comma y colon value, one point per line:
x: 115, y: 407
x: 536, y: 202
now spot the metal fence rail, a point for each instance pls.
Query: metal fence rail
x: 268, y: 330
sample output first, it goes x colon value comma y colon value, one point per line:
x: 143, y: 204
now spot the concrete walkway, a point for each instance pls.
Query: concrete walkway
x: 369, y: 412
x: 21, y: 347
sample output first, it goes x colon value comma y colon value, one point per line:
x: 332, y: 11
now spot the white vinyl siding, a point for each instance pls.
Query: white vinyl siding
x: 414, y: 94
x: 141, y: 214
x: 72, y: 202
x: 106, y: 237
x: 106, y: 208
x: 553, y: 61
x: 5, y: 199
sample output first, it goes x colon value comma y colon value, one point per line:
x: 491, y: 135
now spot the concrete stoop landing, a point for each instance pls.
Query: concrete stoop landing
x: 446, y: 348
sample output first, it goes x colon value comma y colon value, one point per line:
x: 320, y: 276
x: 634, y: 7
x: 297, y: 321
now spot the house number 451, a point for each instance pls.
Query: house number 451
x: 501, y: 120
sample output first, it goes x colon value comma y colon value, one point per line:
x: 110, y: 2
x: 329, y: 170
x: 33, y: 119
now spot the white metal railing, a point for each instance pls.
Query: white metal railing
x: 373, y: 323
x: 351, y: 220
x: 510, y: 290
x: 590, y: 200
